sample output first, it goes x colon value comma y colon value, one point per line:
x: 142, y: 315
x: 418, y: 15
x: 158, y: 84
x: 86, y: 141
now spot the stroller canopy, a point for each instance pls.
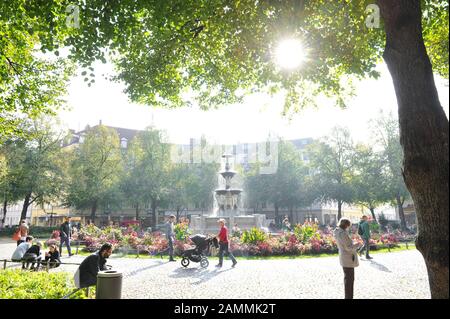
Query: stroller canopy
x: 198, y: 239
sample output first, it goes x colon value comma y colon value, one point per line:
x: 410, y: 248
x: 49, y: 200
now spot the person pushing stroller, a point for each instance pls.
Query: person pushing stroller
x: 224, y: 244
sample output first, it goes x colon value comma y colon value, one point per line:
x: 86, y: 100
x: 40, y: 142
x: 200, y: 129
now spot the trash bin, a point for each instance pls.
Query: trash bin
x: 109, y: 285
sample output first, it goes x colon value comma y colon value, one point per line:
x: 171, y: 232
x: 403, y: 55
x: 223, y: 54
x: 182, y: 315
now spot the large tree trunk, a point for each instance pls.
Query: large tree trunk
x: 277, y: 219
x: 154, y: 206
x: 424, y: 135
x: 372, y: 211
x: 401, y: 213
x: 5, y: 207
x: 26, y: 204
x: 339, y: 210
x: 93, y: 211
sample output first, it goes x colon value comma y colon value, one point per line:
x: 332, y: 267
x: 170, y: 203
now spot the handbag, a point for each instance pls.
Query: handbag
x: 16, y: 235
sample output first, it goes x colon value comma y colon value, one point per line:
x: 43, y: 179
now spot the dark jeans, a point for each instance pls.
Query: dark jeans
x: 349, y: 279
x: 223, y: 249
x: 65, y: 240
x: 365, y: 247
x: 170, y: 247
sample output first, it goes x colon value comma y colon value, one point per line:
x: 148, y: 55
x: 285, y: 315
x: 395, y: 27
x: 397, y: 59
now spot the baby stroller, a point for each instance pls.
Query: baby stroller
x: 195, y: 254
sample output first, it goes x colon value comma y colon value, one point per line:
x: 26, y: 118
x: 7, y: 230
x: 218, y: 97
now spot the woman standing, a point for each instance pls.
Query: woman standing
x: 348, y: 256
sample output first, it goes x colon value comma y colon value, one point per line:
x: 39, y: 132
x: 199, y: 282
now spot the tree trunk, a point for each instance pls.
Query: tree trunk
x: 137, y: 212
x: 372, y: 211
x: 5, y: 207
x: 26, y: 204
x: 154, y: 206
x: 339, y: 210
x: 93, y: 211
x: 401, y: 213
x: 276, y: 215
x: 424, y: 135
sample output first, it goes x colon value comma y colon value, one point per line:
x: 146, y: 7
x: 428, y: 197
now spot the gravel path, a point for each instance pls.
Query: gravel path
x: 396, y: 275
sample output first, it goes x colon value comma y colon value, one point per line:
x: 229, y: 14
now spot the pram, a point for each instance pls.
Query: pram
x: 196, y: 254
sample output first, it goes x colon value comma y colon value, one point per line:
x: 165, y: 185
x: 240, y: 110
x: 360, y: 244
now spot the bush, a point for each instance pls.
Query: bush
x: 253, y: 236
x: 182, y: 231
x: 306, y: 232
x: 18, y: 284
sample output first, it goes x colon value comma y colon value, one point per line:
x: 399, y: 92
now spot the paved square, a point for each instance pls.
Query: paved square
x: 396, y: 275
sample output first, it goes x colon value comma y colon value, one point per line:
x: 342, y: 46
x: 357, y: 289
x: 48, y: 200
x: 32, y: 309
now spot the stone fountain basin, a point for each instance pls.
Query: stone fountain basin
x: 231, y: 191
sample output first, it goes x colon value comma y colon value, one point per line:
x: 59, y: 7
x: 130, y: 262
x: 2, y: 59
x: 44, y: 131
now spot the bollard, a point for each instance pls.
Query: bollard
x: 109, y: 285
x: 4, y: 264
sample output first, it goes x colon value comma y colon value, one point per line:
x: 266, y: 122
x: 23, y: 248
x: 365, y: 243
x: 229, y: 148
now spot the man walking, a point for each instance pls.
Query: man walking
x: 65, y: 235
x: 364, y: 232
x: 224, y: 244
x: 170, y: 232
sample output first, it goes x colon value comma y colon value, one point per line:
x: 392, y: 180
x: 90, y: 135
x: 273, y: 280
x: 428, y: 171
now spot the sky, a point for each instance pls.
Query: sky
x: 251, y: 121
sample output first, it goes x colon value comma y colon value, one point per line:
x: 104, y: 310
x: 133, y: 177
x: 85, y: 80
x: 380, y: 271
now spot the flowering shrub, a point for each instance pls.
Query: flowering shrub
x: 305, y: 239
x: 182, y: 231
x: 253, y: 236
x: 306, y: 231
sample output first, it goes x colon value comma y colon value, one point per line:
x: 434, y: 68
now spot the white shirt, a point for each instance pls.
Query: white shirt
x: 20, y: 251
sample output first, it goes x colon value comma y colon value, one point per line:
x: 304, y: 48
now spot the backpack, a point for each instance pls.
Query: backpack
x: 360, y: 230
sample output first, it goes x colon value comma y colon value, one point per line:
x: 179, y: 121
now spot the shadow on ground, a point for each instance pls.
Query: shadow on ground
x: 201, y: 274
x: 376, y: 265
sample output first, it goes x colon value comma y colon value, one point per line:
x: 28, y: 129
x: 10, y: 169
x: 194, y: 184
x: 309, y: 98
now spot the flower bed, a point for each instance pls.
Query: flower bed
x: 305, y: 239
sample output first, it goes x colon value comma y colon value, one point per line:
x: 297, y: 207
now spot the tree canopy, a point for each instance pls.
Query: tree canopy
x: 218, y: 49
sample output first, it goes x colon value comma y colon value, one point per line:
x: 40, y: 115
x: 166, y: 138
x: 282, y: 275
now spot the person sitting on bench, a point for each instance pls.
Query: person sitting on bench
x: 33, y: 256
x: 52, y: 257
x: 21, y: 250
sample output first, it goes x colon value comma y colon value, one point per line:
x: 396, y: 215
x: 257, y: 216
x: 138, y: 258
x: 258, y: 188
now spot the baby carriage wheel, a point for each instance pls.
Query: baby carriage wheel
x: 204, y: 262
x: 184, y: 262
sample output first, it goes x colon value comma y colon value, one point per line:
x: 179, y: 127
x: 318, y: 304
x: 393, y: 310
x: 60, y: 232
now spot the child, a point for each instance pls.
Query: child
x: 52, y: 257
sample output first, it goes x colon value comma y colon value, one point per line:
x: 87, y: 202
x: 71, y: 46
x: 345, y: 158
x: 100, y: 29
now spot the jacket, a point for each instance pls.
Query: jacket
x: 348, y: 256
x: 20, y: 251
x: 53, y: 256
x: 89, y: 269
x: 365, y: 229
x: 65, y: 230
x: 170, y: 233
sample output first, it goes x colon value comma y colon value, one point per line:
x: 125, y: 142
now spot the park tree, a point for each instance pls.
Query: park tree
x: 289, y: 187
x: 370, y: 181
x: 385, y: 130
x: 34, y: 174
x: 220, y: 49
x: 152, y: 156
x: 332, y: 167
x: 12, y: 155
x: 95, y: 169
x: 31, y: 85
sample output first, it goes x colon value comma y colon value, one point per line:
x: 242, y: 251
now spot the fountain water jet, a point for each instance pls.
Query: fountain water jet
x: 227, y: 206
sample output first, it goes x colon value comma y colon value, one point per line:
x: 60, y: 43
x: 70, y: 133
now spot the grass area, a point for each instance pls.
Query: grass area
x: 402, y: 247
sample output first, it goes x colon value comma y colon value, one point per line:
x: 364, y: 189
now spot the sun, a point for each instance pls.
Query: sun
x: 290, y: 54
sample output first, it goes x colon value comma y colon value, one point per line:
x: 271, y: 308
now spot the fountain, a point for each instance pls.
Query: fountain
x: 228, y: 203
